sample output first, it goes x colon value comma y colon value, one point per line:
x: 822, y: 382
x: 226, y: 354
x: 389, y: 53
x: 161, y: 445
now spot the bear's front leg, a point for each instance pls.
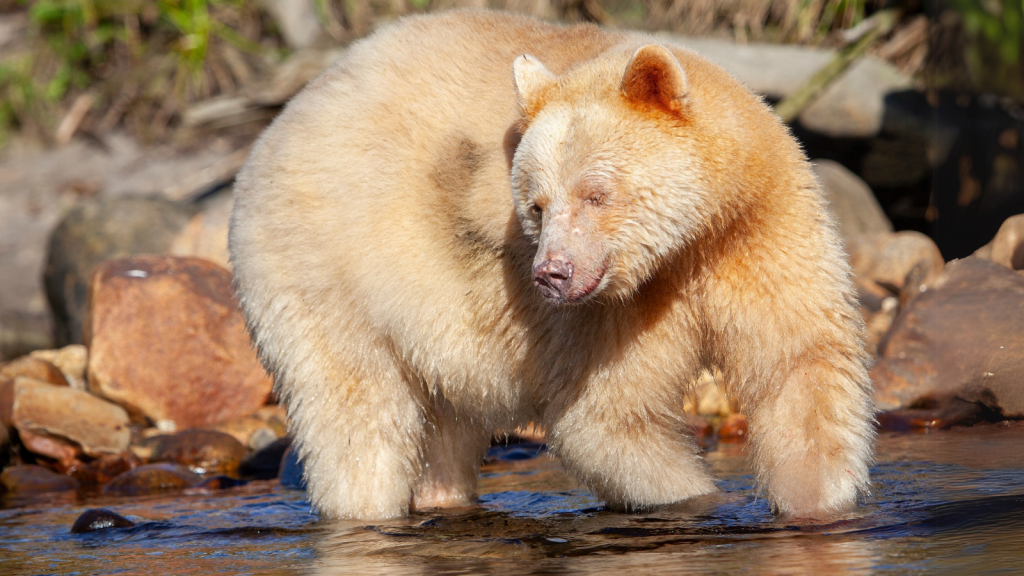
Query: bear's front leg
x: 790, y: 345
x: 454, y: 448
x: 631, y: 445
x: 812, y: 437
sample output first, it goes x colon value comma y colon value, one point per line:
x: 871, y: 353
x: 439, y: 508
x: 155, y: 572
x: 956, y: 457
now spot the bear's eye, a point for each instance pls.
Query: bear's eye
x: 595, y: 199
x: 536, y: 210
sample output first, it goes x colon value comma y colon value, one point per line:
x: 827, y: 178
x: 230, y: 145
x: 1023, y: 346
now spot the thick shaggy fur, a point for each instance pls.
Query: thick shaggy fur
x: 386, y: 238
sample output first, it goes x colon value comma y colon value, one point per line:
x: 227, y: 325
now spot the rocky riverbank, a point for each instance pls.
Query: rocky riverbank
x: 141, y: 376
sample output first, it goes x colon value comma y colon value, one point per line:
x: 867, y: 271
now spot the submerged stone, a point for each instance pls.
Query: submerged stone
x: 152, y: 478
x: 95, y: 519
x: 221, y: 482
x: 32, y: 478
x: 266, y: 463
x: 201, y: 450
x: 291, y: 475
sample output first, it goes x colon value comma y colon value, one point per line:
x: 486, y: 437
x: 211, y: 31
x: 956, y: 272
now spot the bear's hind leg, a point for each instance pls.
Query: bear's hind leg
x: 359, y: 440
x: 453, y: 451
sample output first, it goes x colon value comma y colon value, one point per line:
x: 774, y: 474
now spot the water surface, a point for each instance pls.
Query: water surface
x: 945, y: 502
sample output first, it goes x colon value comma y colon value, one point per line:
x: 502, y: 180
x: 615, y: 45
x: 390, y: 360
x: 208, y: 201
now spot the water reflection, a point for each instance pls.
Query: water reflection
x: 945, y: 502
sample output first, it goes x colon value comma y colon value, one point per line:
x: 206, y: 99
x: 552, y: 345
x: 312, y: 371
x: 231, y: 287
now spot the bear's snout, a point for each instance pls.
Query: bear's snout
x: 553, y: 278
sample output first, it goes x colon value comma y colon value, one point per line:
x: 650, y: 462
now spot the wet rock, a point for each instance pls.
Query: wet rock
x: 887, y: 258
x: 32, y: 478
x: 734, y: 429
x: 266, y: 463
x: 71, y: 360
x: 531, y: 432
x: 291, y: 475
x: 879, y: 322
x: 851, y: 201
x: 64, y: 453
x: 960, y: 338
x: 105, y: 468
x: 96, y: 425
x: 938, y: 416
x: 221, y: 483
x: 201, y: 450
x: 34, y: 368
x: 96, y: 231
x: 6, y: 401
x: 703, y: 430
x: 206, y: 234
x: 251, y: 432
x: 95, y: 519
x: 167, y: 340
x: 1007, y: 247
x: 152, y: 478
x: 708, y: 398
x: 274, y: 416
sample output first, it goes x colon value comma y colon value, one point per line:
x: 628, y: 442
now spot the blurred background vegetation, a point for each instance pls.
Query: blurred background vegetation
x: 138, y: 64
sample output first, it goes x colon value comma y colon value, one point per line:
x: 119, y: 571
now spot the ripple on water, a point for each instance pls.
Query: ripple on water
x: 950, y: 502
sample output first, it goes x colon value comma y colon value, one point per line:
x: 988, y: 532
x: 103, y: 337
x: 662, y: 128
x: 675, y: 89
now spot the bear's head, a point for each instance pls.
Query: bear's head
x: 606, y: 178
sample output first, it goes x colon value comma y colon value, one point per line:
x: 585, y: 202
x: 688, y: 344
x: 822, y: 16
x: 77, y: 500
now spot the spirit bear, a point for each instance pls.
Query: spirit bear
x: 476, y: 220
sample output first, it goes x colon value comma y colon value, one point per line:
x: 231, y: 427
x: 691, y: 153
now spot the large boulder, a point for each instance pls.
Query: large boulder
x: 852, y: 107
x: 96, y: 231
x: 167, y: 341
x: 850, y: 201
x: 1007, y: 247
x: 962, y: 338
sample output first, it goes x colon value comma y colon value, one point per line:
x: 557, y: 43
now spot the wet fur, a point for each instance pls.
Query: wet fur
x: 385, y: 275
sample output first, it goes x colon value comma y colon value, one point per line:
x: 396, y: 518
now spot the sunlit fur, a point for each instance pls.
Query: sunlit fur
x: 383, y: 238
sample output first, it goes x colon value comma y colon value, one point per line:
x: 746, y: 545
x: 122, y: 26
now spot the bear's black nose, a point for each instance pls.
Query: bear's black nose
x: 553, y: 277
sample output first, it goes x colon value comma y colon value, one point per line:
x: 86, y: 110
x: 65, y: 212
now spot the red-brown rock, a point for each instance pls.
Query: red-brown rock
x: 252, y: 432
x: 201, y: 450
x: 6, y: 401
x: 105, y: 468
x: 962, y: 338
x: 65, y: 454
x: 734, y: 429
x: 31, y: 478
x: 166, y: 339
x: 96, y: 425
x: 151, y: 478
x: 703, y: 430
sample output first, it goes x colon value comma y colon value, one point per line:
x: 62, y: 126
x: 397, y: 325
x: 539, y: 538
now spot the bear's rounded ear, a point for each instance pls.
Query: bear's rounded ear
x: 531, y: 79
x: 654, y: 77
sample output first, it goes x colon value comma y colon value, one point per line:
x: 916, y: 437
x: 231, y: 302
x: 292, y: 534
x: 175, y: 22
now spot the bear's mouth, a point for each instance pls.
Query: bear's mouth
x: 582, y: 293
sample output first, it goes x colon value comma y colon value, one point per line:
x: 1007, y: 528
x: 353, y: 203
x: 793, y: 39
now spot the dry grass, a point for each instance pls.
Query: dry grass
x: 138, y: 64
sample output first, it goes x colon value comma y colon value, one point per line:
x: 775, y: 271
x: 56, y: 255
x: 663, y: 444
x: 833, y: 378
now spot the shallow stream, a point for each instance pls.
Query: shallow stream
x: 945, y: 502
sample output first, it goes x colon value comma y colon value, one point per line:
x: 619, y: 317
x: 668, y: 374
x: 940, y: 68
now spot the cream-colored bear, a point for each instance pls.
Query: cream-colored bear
x: 477, y: 220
